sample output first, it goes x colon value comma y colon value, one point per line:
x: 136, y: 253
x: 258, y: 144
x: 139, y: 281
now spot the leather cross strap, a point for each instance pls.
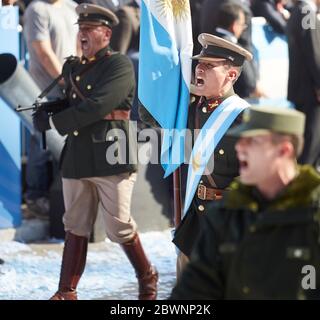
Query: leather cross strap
x: 118, y: 115
x: 85, y: 70
x: 75, y: 88
x: 113, y: 115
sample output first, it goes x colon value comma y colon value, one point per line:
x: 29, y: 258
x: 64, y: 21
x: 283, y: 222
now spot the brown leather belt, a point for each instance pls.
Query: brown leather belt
x: 205, y: 193
x: 118, y: 115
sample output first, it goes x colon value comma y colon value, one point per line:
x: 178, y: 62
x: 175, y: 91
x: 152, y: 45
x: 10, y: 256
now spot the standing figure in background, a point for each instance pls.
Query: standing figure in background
x: 273, y: 11
x: 304, y: 70
x: 228, y: 15
x: 51, y: 36
x: 125, y: 39
x: 231, y: 23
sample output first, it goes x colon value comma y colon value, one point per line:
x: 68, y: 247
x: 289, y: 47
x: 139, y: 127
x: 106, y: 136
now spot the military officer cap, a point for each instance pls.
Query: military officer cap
x: 262, y: 120
x: 96, y: 15
x: 218, y: 49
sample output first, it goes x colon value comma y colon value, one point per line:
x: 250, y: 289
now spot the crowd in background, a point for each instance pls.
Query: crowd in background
x: 228, y: 19
x: 51, y: 35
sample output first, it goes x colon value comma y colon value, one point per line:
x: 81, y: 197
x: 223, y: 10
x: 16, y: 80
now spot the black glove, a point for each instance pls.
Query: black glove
x: 40, y: 120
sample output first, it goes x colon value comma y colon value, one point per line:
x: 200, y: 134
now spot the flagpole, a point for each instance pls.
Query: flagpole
x: 176, y: 198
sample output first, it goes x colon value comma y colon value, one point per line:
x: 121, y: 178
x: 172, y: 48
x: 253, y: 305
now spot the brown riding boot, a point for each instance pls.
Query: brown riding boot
x: 72, y: 267
x: 147, y: 274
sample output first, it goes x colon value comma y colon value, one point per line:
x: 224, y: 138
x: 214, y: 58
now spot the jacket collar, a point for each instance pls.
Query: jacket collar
x: 107, y: 51
x: 303, y: 191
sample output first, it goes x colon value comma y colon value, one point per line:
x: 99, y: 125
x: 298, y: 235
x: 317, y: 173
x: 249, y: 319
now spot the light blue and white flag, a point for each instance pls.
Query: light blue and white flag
x: 165, y: 72
x: 209, y: 136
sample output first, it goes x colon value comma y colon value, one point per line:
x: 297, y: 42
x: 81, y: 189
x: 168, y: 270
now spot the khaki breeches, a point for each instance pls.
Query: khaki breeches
x: 111, y: 195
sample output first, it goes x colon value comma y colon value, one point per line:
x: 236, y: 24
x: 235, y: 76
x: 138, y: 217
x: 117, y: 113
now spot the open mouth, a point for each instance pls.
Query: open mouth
x: 199, y: 82
x: 84, y: 43
x: 243, y: 164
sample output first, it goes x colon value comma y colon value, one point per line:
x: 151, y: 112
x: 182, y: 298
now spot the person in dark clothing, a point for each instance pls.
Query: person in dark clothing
x: 195, y: 8
x: 125, y: 38
x: 210, y: 14
x: 98, y: 174
x: 231, y: 23
x: 304, y: 70
x: 273, y: 11
x: 212, y: 18
x: 255, y: 244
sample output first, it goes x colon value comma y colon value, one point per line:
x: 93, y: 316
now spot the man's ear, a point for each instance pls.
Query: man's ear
x: 232, y: 28
x: 233, y: 74
x: 108, y: 33
x: 287, y: 149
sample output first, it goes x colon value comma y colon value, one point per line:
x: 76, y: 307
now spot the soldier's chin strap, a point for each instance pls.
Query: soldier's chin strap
x: 74, y: 86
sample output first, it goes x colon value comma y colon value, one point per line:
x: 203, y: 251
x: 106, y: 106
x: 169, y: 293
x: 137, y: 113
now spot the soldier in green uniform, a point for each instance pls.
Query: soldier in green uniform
x: 262, y: 241
x: 97, y: 170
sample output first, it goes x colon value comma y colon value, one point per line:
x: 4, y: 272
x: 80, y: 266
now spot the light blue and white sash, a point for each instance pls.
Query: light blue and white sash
x: 209, y: 136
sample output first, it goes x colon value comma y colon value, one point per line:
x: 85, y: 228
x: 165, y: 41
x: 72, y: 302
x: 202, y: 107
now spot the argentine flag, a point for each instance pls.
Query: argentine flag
x: 165, y: 72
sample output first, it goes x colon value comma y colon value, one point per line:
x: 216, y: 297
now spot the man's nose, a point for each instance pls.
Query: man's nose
x: 200, y: 69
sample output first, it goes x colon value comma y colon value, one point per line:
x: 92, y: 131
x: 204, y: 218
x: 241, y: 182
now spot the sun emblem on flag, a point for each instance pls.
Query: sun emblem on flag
x: 180, y: 9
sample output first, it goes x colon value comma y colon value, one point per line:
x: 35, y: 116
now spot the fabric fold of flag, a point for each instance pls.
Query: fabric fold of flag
x: 165, y: 72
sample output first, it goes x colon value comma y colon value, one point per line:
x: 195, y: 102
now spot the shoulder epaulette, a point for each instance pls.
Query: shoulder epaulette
x: 72, y: 59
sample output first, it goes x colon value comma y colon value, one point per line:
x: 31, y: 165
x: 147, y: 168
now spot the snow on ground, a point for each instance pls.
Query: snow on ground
x: 31, y: 272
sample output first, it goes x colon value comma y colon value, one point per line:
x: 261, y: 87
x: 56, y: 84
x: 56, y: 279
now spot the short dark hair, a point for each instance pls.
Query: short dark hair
x: 229, y: 64
x: 228, y: 14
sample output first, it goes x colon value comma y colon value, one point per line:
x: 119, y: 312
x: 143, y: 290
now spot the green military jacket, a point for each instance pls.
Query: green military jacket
x: 251, y: 248
x: 108, y: 84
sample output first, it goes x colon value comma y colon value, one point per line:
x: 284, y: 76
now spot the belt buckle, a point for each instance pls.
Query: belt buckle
x: 202, y: 190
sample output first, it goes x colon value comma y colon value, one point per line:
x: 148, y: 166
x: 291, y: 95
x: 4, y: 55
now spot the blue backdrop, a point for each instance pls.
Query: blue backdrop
x: 10, y: 132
